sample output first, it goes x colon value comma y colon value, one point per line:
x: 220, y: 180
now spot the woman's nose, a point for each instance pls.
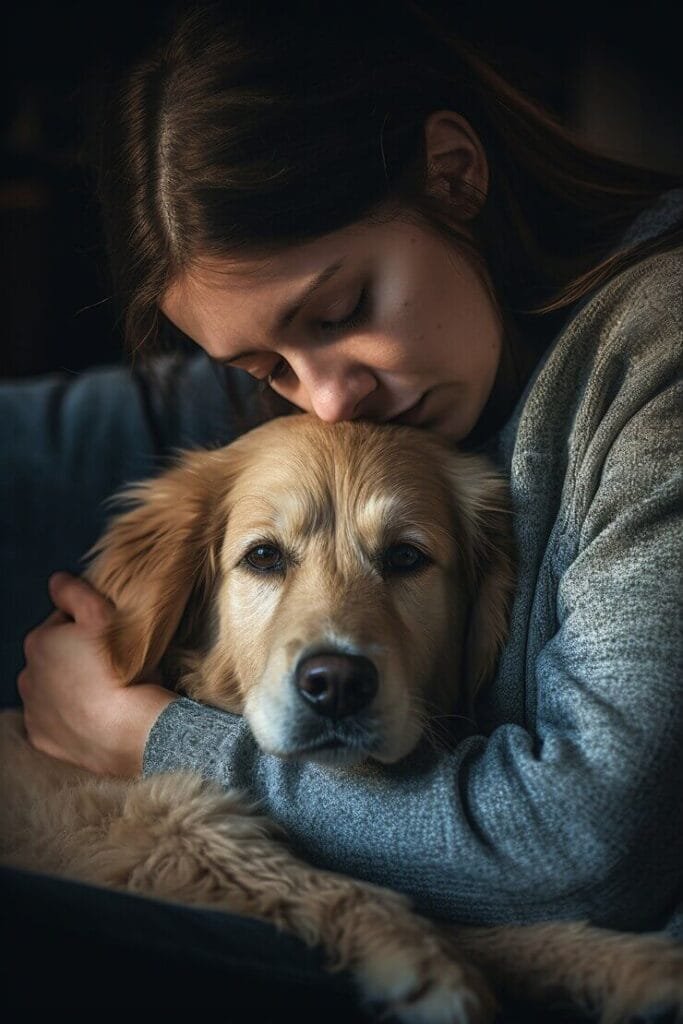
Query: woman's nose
x: 338, y: 393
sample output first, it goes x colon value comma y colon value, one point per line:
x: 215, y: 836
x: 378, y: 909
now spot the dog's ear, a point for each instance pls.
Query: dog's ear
x: 484, y: 528
x: 152, y: 557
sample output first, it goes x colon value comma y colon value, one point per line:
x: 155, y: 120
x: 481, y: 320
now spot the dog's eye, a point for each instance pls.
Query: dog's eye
x: 403, y: 558
x: 265, y: 557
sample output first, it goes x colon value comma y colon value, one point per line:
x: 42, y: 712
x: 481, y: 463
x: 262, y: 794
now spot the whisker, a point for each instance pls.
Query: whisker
x: 435, y: 726
x: 432, y: 730
x: 460, y: 718
x: 427, y: 704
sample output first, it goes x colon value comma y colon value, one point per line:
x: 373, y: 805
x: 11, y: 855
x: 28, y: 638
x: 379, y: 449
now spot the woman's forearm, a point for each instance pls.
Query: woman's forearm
x: 492, y: 832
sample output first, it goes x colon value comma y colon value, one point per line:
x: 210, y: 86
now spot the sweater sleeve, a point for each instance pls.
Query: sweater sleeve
x: 580, y: 815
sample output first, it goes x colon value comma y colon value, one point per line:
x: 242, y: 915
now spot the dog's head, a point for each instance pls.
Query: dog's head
x: 343, y: 586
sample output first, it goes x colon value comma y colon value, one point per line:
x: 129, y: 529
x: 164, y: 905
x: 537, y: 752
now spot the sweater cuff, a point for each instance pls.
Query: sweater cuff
x: 186, y: 735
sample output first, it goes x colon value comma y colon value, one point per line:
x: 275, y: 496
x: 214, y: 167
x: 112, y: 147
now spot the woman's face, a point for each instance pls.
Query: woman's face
x: 400, y: 328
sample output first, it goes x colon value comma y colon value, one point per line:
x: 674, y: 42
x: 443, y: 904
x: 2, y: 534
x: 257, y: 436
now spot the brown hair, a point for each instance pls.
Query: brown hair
x: 255, y: 127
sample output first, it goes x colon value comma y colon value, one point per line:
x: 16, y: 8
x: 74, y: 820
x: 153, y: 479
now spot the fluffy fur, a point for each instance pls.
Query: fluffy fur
x: 234, y: 571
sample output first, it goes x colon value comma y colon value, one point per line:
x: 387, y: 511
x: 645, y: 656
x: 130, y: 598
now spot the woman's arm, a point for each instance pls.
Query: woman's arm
x: 578, y: 817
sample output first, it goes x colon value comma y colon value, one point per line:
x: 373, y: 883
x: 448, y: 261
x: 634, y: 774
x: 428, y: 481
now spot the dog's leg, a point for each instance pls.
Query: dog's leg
x: 54, y: 817
x: 35, y: 809
x: 616, y: 974
x: 177, y: 837
x: 183, y: 839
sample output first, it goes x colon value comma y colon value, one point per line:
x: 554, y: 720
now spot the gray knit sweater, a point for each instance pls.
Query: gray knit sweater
x: 569, y: 804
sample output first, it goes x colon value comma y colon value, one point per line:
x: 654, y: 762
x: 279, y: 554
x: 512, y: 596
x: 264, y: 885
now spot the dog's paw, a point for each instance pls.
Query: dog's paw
x: 652, y: 985
x: 430, y: 989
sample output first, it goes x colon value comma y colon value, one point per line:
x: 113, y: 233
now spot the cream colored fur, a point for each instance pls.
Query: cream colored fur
x: 333, y: 500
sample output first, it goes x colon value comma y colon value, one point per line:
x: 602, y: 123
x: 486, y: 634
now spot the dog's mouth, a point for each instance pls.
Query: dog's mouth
x: 333, y: 744
x: 334, y: 753
x: 355, y: 747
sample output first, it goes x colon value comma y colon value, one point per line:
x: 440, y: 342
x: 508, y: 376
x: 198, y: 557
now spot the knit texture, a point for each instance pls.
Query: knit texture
x: 568, y: 803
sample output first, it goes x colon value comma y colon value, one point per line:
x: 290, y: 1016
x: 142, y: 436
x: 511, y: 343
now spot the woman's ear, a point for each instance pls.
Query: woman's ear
x: 457, y: 167
x: 151, y: 558
x: 484, y: 523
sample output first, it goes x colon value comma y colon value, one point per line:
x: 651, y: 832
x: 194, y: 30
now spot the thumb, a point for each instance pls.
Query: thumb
x: 77, y: 598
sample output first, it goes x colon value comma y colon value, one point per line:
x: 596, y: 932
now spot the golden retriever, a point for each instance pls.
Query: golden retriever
x: 346, y: 589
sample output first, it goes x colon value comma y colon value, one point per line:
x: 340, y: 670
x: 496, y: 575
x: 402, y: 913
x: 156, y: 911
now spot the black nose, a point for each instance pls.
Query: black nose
x: 337, y: 685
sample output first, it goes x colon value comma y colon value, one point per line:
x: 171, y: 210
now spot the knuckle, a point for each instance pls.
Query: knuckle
x: 23, y: 680
x: 30, y: 642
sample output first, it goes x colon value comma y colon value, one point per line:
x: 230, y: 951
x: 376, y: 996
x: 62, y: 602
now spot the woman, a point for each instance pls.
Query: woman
x: 368, y: 220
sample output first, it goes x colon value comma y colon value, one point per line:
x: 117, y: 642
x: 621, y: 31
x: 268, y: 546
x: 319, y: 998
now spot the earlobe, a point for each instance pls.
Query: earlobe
x: 457, y: 167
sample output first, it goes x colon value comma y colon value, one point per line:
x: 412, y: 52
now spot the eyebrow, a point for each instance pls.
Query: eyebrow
x: 286, y: 317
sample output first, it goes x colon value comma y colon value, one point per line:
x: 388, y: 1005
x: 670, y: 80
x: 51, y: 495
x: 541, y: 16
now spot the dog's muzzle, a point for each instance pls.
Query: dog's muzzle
x: 337, y: 685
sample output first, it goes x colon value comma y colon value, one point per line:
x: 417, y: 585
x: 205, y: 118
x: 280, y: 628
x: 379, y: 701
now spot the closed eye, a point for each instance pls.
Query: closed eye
x: 359, y: 315
x: 280, y: 368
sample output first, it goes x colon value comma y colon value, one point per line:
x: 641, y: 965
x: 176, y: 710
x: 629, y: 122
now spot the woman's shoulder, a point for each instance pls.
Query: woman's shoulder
x: 631, y: 325
x: 614, y: 355
x: 646, y: 297
x: 648, y: 291
x: 639, y: 311
x: 656, y: 237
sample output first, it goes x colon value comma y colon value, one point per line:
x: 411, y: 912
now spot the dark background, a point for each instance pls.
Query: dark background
x: 612, y: 72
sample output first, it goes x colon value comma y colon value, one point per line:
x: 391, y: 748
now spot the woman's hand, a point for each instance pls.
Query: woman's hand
x: 76, y: 708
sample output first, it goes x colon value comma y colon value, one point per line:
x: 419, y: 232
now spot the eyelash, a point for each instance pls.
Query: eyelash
x: 358, y: 316
x: 355, y: 318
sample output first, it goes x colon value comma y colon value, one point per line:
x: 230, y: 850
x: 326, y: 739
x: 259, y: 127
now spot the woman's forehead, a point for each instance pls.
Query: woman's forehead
x: 294, y: 265
x: 256, y: 299
x: 210, y: 299
x: 297, y: 262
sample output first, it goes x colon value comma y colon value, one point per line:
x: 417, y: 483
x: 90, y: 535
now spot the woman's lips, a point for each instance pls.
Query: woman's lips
x: 411, y: 416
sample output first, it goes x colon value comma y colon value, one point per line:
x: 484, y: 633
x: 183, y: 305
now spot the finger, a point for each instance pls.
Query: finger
x: 78, y: 599
x: 23, y: 682
x: 56, y: 618
x: 33, y: 640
